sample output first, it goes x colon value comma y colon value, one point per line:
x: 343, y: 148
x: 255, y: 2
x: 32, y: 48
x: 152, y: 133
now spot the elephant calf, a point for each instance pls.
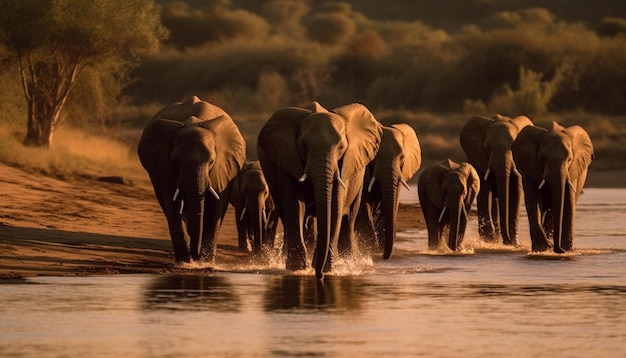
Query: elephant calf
x: 446, y: 191
x: 255, y: 214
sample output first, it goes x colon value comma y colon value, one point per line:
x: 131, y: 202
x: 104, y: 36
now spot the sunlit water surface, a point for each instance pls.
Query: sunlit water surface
x: 487, y: 301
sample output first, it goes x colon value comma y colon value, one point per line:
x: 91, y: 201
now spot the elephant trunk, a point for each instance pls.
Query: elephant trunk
x: 195, y: 214
x: 455, y: 210
x: 193, y: 183
x: 323, y: 186
x: 390, y: 197
x: 260, y: 223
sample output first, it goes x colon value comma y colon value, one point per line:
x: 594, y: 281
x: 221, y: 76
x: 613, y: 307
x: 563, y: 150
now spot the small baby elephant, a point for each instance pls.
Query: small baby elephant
x: 446, y: 191
x: 255, y: 214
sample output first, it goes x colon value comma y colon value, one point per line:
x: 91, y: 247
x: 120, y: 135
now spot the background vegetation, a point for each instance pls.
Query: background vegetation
x: 430, y: 64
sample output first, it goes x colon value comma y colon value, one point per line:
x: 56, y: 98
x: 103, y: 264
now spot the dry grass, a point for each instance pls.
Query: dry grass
x: 72, y: 154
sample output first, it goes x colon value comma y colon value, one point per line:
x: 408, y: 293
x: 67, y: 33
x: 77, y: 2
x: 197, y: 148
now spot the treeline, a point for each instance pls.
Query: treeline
x: 290, y: 52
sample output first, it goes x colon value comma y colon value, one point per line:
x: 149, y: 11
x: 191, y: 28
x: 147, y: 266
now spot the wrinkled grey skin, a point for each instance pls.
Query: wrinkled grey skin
x: 191, y: 151
x: 255, y: 214
x: 554, y: 165
x: 314, y: 161
x: 446, y: 191
x: 487, y: 144
x: 398, y: 159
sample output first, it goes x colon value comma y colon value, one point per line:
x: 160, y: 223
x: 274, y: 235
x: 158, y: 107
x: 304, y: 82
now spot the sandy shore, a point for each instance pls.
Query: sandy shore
x: 83, y: 227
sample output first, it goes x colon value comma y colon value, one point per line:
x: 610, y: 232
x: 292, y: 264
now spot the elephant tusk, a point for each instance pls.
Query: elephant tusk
x: 341, y: 182
x: 369, y: 187
x: 214, y: 193
x: 442, y: 212
x: 517, y: 173
x: 302, y: 178
x: 176, y: 194
x: 243, y: 212
x: 569, y: 182
x: 543, y: 182
x: 465, y: 212
x: 487, y: 174
x: 264, y: 217
x: 404, y: 183
x: 182, y: 205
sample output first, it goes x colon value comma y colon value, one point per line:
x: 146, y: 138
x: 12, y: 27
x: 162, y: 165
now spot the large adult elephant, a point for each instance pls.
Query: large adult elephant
x: 255, y: 214
x: 314, y: 161
x: 446, y: 191
x: 487, y: 144
x: 398, y: 159
x: 191, y: 151
x: 554, y: 165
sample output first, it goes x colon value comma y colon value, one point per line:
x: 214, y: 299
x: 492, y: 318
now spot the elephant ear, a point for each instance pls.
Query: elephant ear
x: 364, y: 134
x: 522, y: 122
x: 151, y: 145
x: 230, y: 153
x: 473, y: 184
x: 582, y: 148
x: 277, y: 138
x: 315, y: 107
x: 472, y: 140
x: 433, y: 176
x: 411, y: 149
x: 524, y: 150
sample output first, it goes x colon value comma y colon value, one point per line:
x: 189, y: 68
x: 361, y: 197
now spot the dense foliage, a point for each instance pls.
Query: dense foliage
x: 294, y: 51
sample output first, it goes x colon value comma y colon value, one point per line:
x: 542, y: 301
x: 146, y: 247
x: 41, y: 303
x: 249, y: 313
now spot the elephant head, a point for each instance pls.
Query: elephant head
x: 487, y: 144
x: 446, y: 191
x: 554, y: 166
x: 315, y: 159
x: 254, y: 209
x: 398, y: 159
x: 192, y: 150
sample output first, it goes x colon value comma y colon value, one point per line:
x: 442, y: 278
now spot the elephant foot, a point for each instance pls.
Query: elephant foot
x: 184, y: 259
x: 559, y: 250
x: 541, y: 247
x: 511, y: 242
x: 296, y: 265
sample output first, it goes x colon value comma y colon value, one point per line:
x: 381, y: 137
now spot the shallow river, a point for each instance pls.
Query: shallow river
x: 488, y: 301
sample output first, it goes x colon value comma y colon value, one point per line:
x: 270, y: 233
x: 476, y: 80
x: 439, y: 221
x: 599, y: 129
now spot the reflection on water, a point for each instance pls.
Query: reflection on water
x: 337, y: 293
x: 192, y: 293
x: 490, y: 301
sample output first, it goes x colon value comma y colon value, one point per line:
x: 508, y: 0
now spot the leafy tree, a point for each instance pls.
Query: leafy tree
x: 54, y: 41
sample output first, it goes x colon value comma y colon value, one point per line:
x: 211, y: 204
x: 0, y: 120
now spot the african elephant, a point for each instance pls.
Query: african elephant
x: 446, y: 191
x: 487, y: 144
x: 191, y: 151
x: 314, y: 161
x: 398, y: 159
x: 554, y: 166
x: 255, y: 215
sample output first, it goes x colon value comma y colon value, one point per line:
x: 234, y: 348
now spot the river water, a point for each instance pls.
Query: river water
x: 487, y: 301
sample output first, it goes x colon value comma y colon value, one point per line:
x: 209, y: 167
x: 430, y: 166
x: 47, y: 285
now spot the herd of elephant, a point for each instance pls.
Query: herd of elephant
x: 333, y: 177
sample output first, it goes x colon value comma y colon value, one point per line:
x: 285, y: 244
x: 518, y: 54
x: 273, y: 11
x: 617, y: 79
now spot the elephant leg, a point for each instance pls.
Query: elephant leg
x: 293, y: 239
x: 536, y: 222
x: 242, y: 232
x: 569, y: 212
x: 484, y: 202
x: 272, y: 223
x: 213, y: 214
x: 177, y: 231
x: 366, y: 235
x: 347, y: 244
x: 434, y: 227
